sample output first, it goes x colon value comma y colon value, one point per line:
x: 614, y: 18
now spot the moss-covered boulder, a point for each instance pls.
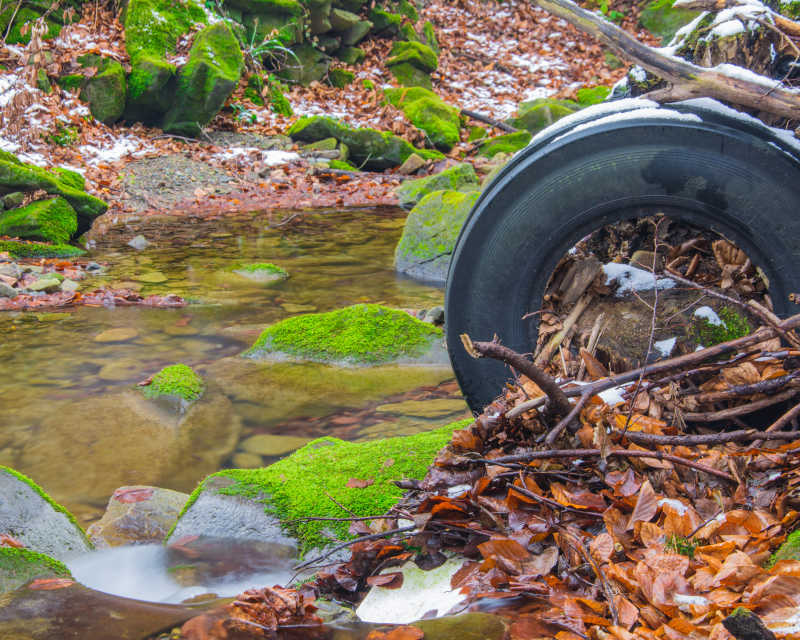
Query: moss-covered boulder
x: 430, y: 234
x: 33, y: 518
x: 661, y: 19
x: 18, y: 176
x: 350, y: 55
x: 508, y: 143
x: 340, y: 78
x: 789, y: 550
x: 176, y: 380
x: 411, y: 63
x: 106, y: 91
x: 152, y: 31
x: 19, y: 566
x: 535, y: 115
x: 205, y: 82
x: 368, y: 148
x: 362, y: 334
x: 306, y: 66
x: 51, y: 220
x: 385, y: 22
x: 359, y: 476
x: 440, y: 121
x: 460, y: 177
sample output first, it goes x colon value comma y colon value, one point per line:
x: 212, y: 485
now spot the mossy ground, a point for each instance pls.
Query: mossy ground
x: 298, y: 484
x: 57, y: 507
x: 175, y: 380
x: 789, y: 550
x: 361, y: 334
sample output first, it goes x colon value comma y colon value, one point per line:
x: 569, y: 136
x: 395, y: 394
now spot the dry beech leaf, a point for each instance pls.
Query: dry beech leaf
x: 646, y: 505
x: 727, y: 254
x: 355, y: 483
x: 744, y: 373
x: 392, y: 580
x: 602, y: 547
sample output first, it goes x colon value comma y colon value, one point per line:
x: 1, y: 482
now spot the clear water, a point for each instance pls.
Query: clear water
x: 72, y: 418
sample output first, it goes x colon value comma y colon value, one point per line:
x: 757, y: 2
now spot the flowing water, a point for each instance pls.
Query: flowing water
x: 73, y: 420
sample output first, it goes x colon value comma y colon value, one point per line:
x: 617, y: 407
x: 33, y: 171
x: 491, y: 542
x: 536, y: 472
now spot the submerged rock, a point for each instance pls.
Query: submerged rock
x: 33, y: 518
x: 253, y: 503
x: 430, y: 234
x: 262, y: 271
x: 361, y: 334
x: 137, y: 515
x: 176, y: 380
x: 460, y: 177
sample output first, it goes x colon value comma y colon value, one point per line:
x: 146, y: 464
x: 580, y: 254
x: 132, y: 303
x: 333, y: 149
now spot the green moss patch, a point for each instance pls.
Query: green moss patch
x: 175, y: 380
x: 789, y: 550
x: 440, y: 121
x: 535, y: 115
x: 52, y: 220
x: 508, y: 143
x: 361, y: 334
x: 296, y: 487
x: 416, y: 54
x: 266, y: 267
x: 36, y: 250
x: 734, y: 326
x: 661, y: 19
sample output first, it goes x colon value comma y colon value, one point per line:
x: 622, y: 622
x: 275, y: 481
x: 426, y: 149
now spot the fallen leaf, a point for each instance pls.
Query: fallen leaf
x: 355, y: 483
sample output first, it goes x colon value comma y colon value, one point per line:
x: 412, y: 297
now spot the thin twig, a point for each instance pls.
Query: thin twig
x: 555, y: 432
x: 724, y: 414
x: 490, y: 121
x: 338, y: 547
x: 745, y: 435
x: 590, y: 453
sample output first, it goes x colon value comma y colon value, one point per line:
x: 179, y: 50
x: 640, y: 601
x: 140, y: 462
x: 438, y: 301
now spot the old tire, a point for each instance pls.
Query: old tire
x: 733, y: 176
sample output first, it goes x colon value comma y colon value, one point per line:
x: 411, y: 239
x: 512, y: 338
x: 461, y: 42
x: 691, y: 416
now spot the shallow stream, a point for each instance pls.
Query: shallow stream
x: 73, y: 420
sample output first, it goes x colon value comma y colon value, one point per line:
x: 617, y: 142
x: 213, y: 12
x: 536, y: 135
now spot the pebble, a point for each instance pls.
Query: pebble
x: 69, y: 285
x: 7, y: 291
x: 119, y: 334
x: 93, y: 266
x: 151, y: 277
x: 139, y: 243
x: 46, y: 283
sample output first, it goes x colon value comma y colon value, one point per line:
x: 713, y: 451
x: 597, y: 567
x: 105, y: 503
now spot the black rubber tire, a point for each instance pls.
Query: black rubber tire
x: 717, y: 173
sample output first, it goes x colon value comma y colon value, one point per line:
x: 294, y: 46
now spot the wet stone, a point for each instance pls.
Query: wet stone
x: 119, y: 334
x: 438, y: 408
x: 151, y: 277
x: 242, y: 460
x: 272, y: 445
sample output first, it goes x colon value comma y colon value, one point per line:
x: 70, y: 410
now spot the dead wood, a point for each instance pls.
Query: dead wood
x: 743, y: 624
x: 741, y: 410
x: 744, y: 435
x: 490, y: 121
x: 688, y: 80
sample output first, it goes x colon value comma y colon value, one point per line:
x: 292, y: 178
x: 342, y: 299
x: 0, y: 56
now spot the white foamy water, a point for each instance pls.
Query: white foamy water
x: 142, y: 572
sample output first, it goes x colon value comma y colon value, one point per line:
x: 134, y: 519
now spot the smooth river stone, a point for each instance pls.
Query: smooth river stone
x: 121, y: 369
x: 152, y: 277
x: 247, y: 461
x: 266, y: 444
x: 120, y: 334
x: 438, y: 408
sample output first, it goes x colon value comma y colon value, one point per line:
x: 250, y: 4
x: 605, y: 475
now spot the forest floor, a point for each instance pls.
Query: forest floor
x: 493, y: 57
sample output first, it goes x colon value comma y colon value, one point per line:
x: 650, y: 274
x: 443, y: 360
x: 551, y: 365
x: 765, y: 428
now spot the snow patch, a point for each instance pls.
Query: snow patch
x: 665, y: 347
x: 677, y: 505
x: 633, y: 279
x: 269, y: 158
x: 710, y: 315
x: 661, y: 114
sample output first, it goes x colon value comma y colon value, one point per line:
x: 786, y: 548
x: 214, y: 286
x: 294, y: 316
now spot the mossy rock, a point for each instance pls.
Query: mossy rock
x: 19, y: 566
x: 350, y: 55
x: 734, y: 325
x: 177, y: 380
x: 71, y: 81
x: 106, y: 91
x: 661, y: 19
x: 789, y: 550
x: 33, y: 518
x: 407, y: 75
x: 416, y: 54
x: 425, y: 110
x: 51, y: 220
x: 319, y: 17
x: 310, y: 65
x: 430, y: 234
x: 342, y: 20
x: 368, y: 148
x: 267, y: 7
x: 299, y: 485
x: 385, y: 22
x: 18, y: 249
x: 71, y: 178
x: 263, y: 271
x: 278, y: 102
x: 18, y: 176
x: 535, y: 115
x: 206, y: 81
x: 587, y: 96
x: 460, y: 177
x: 361, y: 334
x: 356, y: 33
x: 152, y: 31
x: 429, y: 36
x: 508, y: 143
x: 340, y: 78
x: 341, y: 165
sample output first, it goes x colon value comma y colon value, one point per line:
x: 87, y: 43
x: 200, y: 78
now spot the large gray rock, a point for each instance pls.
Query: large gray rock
x: 430, y: 234
x: 217, y: 515
x: 30, y: 516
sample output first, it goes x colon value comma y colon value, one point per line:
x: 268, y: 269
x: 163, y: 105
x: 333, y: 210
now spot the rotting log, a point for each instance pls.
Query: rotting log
x: 688, y: 80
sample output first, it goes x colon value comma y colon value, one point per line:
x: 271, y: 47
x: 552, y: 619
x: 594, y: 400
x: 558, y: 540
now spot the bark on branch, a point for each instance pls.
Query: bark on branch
x: 689, y: 79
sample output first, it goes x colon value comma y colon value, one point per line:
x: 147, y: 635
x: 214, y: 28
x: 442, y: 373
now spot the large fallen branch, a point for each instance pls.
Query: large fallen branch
x: 688, y: 80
